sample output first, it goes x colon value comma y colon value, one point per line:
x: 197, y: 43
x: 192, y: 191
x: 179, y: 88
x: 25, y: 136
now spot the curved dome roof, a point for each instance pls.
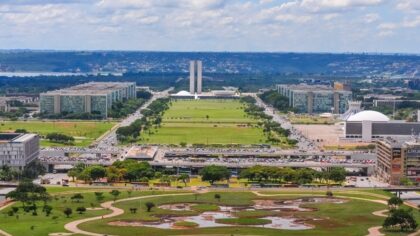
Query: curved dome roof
x: 368, y: 115
x: 183, y: 93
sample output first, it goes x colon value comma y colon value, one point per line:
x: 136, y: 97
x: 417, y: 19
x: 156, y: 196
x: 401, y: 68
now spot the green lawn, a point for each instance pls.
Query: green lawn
x: 85, y: 132
x: 311, y: 120
x: 206, y: 122
x: 348, y: 219
x: 41, y: 225
x: 352, y: 218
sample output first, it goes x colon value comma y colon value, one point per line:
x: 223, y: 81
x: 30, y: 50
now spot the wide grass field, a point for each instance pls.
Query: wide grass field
x: 352, y: 218
x: 206, y: 122
x: 41, y: 225
x: 84, y: 132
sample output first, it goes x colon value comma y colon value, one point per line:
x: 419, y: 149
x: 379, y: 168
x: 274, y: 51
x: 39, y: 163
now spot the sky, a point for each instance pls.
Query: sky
x: 376, y: 26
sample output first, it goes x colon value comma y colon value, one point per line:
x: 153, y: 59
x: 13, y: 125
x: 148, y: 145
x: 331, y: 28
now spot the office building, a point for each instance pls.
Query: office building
x: 18, y: 150
x: 398, y: 158
x: 192, y: 77
x: 368, y: 126
x: 93, y: 97
x: 196, y: 66
x: 316, y: 98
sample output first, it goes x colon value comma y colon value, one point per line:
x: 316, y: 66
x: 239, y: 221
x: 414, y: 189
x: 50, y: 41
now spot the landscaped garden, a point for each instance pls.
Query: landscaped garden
x: 230, y: 213
x: 83, y: 132
x: 303, y: 212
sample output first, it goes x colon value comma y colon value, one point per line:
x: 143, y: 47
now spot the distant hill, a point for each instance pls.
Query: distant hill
x: 213, y: 62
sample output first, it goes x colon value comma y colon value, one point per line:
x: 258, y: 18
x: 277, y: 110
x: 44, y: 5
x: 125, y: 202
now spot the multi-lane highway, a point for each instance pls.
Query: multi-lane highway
x: 304, y: 143
x: 110, y: 139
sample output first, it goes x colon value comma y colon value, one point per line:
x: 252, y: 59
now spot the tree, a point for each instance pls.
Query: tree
x: 73, y: 174
x: 406, y: 181
x: 96, y: 172
x: 115, y: 193
x: 47, y: 209
x: 217, y: 196
x: 400, y: 219
x: 28, y: 193
x: 184, y: 178
x: 214, y: 173
x: 149, y: 206
x: 68, y: 212
x: 81, y: 210
x: 77, y: 197
x: 394, y: 202
x: 33, y: 170
x: 336, y: 174
x: 60, y: 138
x: 99, y: 196
x: 21, y: 131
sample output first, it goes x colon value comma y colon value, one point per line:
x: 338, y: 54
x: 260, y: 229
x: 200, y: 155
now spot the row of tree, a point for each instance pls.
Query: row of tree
x: 130, y: 170
x: 60, y: 138
x: 30, y: 171
x: 276, y: 100
x: 273, y: 130
x: 267, y: 174
x: 123, y: 108
x: 127, y: 170
x: 151, y: 116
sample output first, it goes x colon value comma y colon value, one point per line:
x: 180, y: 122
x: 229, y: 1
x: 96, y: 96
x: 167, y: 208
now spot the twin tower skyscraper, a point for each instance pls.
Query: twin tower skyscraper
x: 196, y: 66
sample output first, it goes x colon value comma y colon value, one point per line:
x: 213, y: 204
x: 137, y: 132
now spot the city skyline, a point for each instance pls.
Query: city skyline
x: 376, y: 26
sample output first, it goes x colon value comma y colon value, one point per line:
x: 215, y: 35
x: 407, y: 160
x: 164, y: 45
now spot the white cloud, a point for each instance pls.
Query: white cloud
x: 387, y: 26
x: 371, y: 17
x: 408, y: 5
x: 315, y: 25
x: 336, y: 5
x: 411, y: 23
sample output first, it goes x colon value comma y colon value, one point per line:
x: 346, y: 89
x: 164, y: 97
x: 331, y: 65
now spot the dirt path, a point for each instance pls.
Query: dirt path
x: 380, y: 213
x: 373, y: 231
x: 73, y: 226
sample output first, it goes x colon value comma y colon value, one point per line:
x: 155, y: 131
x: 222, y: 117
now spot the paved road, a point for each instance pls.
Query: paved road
x: 303, y: 142
x: 110, y: 139
x: 73, y: 226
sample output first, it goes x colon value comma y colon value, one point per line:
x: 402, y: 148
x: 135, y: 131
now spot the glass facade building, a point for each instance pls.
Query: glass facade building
x: 315, y: 98
x: 86, y: 98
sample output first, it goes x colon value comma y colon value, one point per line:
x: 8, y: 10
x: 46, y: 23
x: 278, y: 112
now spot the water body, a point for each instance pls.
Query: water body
x: 46, y: 73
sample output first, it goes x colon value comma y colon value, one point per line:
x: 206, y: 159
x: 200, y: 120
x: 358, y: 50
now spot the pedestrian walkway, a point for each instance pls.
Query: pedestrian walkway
x: 73, y: 226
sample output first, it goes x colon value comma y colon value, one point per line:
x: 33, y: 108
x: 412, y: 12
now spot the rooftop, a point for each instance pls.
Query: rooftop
x: 91, y: 88
x: 312, y: 88
x: 369, y: 115
x: 15, y: 137
x: 397, y: 142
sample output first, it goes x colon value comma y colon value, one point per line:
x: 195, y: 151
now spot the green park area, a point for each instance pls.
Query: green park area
x: 310, y: 120
x: 83, y: 132
x: 175, y: 212
x: 206, y: 122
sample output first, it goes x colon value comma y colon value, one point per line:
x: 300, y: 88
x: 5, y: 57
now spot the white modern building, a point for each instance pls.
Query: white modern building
x: 368, y: 126
x: 18, y: 150
x: 196, y: 66
x: 93, y: 97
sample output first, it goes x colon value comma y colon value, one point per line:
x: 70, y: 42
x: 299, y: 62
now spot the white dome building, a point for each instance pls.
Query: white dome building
x: 183, y: 93
x: 369, y: 116
x: 368, y: 126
